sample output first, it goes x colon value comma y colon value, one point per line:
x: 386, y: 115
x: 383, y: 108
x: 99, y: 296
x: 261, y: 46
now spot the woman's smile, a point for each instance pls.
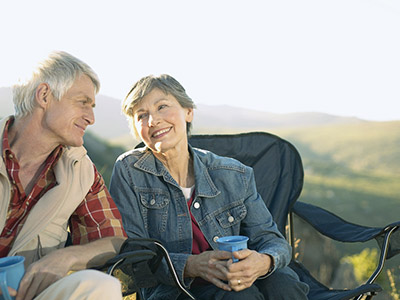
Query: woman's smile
x: 161, y: 133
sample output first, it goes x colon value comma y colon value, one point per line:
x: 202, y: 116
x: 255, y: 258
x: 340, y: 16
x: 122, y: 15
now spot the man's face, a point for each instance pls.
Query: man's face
x: 65, y: 121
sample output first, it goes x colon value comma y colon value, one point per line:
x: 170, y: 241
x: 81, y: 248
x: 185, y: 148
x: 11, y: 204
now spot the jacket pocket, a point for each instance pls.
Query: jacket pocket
x: 232, y: 216
x: 51, y: 238
x: 154, y: 210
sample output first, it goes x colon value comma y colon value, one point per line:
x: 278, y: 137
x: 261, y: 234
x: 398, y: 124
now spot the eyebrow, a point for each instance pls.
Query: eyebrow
x: 155, y: 103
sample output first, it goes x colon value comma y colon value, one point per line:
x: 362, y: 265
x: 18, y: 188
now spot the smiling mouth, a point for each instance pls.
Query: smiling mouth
x: 161, y: 132
x: 81, y: 128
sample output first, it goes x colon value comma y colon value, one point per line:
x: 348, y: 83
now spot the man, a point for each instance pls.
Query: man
x: 48, y: 183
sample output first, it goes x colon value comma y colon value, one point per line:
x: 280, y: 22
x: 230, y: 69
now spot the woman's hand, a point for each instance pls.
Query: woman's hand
x: 251, y: 265
x: 211, y: 266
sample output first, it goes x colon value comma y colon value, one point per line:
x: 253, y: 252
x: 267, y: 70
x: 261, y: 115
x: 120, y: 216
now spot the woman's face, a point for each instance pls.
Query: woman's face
x: 160, y: 121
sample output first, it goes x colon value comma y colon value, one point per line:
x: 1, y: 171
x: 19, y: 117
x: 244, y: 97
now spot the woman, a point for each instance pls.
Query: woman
x: 187, y: 198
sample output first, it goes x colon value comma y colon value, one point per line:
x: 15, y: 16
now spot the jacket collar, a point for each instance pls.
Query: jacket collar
x: 204, y: 186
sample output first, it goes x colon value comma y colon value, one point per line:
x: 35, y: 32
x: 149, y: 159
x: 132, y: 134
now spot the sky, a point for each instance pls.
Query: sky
x: 340, y: 57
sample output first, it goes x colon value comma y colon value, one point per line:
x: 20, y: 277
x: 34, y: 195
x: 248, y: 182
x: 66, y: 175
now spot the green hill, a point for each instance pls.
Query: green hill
x: 352, y: 168
x: 367, y: 146
x: 102, y: 153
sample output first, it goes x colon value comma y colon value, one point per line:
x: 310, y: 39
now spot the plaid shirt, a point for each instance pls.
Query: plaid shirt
x: 96, y: 217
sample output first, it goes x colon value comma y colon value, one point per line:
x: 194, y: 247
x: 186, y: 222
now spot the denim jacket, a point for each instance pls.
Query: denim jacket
x: 226, y: 202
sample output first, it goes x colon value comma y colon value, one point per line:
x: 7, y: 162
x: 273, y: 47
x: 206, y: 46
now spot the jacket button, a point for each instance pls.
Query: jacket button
x: 215, y: 238
x: 152, y: 202
x: 196, y: 205
x: 231, y: 219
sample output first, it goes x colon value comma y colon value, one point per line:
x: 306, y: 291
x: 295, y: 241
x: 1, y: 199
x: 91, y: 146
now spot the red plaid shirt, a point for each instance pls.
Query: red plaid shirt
x: 96, y: 217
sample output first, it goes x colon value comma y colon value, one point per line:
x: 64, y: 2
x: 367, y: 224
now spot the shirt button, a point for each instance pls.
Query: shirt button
x: 152, y: 202
x: 27, y: 202
x: 215, y: 238
x: 231, y: 219
x: 196, y: 205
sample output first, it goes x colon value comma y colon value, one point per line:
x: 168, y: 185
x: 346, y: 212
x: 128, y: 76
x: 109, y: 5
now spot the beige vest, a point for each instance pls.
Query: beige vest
x: 45, y: 228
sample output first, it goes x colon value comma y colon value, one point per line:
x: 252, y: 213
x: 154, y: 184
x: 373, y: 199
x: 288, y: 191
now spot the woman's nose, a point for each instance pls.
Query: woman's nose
x: 153, y: 119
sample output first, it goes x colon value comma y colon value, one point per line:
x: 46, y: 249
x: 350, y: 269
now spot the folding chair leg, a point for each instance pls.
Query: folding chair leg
x: 382, y: 260
x: 291, y: 233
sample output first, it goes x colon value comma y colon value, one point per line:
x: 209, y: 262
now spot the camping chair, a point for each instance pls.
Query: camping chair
x: 279, y: 178
x: 136, y: 265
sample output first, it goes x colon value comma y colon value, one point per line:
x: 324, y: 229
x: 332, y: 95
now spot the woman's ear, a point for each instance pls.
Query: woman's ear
x: 189, y: 114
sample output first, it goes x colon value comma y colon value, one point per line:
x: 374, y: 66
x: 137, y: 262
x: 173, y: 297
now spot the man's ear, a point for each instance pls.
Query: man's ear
x: 43, y: 94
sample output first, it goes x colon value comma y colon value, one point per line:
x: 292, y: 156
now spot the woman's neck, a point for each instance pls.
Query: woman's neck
x: 180, y: 167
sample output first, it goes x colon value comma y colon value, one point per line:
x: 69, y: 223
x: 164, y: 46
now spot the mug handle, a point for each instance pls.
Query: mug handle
x: 3, y: 286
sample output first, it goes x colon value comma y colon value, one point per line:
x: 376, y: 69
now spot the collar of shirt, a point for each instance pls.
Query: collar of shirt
x: 13, y: 166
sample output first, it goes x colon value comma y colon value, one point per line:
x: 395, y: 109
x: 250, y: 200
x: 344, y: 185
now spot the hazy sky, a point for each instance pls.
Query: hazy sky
x: 338, y: 57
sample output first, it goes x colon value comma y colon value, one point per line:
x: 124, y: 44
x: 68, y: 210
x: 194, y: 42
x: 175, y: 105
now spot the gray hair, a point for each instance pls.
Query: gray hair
x: 59, y: 70
x: 165, y: 83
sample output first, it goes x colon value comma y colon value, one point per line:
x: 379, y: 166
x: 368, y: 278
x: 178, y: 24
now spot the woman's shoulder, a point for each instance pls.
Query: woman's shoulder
x: 132, y: 155
x: 215, y: 161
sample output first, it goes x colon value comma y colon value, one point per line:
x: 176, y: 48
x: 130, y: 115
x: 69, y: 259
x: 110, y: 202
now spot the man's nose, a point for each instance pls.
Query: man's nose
x: 89, y: 116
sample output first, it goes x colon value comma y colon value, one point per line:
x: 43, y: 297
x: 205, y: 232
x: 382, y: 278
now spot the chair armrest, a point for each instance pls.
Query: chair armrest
x: 339, y: 229
x: 333, y: 226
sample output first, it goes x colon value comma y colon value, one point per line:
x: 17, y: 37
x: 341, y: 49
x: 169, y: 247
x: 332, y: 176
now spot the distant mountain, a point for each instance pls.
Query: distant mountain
x: 227, y: 118
x: 112, y: 125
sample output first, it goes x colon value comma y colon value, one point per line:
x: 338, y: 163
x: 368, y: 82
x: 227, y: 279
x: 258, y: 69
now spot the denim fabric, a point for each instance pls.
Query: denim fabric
x: 226, y: 203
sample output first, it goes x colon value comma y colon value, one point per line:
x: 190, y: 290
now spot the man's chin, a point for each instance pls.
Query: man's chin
x: 77, y: 143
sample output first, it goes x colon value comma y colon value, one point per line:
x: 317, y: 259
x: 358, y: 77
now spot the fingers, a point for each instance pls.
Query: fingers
x: 221, y: 255
x: 33, y: 284
x: 23, y: 287
x: 221, y: 284
x: 243, y: 273
x: 11, y: 291
x: 240, y: 284
x: 242, y: 254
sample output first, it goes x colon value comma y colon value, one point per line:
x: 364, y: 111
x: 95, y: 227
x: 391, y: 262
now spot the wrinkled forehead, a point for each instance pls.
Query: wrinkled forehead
x: 155, y: 95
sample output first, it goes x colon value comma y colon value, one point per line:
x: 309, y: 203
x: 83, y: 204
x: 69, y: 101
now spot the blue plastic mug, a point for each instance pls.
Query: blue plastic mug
x: 11, y: 272
x: 232, y: 243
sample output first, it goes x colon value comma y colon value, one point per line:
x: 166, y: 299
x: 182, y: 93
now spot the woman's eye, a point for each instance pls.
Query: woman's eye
x: 141, y: 116
x: 162, y: 106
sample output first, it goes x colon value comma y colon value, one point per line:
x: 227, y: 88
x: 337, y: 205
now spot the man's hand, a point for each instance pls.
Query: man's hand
x: 211, y: 266
x: 11, y: 291
x: 251, y: 265
x: 43, y: 273
x: 58, y: 263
